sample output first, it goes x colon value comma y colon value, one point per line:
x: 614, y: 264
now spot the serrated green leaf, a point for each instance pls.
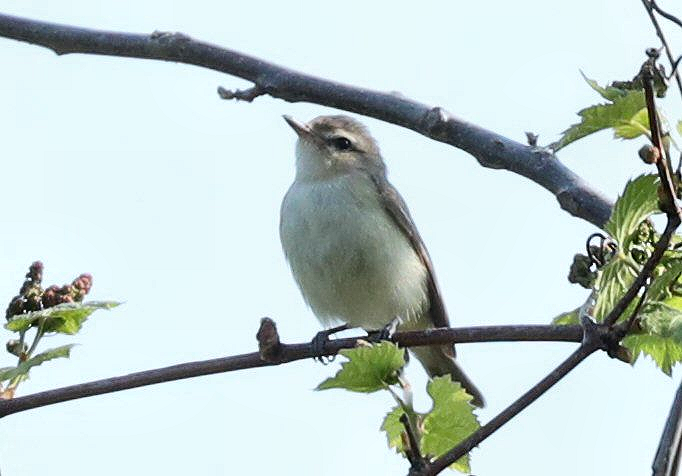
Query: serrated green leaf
x: 636, y: 126
x: 665, y: 351
x: 660, y: 287
x: 638, y: 201
x: 394, y: 429
x: 675, y: 302
x: 369, y: 368
x: 662, y: 320
x: 661, y: 335
x: 567, y: 318
x: 603, y: 116
x: 612, y: 282
x: 450, y: 421
x: 609, y: 92
x: 64, y: 318
x: 24, y: 367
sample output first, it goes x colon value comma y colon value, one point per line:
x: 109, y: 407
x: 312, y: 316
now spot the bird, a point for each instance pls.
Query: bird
x: 352, y: 245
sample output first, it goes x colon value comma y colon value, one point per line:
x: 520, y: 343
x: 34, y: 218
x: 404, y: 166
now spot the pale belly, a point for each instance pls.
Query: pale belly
x: 350, y: 260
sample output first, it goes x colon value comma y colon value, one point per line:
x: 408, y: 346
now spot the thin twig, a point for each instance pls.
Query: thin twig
x: 667, y: 456
x: 490, y: 149
x: 287, y: 353
x: 668, y: 203
x: 588, y: 347
x: 665, y: 14
x: 638, y: 307
x: 417, y: 461
x: 650, y: 6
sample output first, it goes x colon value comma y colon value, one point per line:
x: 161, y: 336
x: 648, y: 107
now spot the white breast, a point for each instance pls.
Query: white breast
x: 349, y: 258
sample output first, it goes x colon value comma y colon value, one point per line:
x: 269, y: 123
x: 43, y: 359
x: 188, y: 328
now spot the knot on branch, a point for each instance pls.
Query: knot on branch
x: 269, y: 346
x: 168, y: 37
x: 435, y: 122
x: 604, y: 337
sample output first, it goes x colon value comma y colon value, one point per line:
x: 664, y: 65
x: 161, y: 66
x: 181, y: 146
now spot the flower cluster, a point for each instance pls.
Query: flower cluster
x: 32, y: 297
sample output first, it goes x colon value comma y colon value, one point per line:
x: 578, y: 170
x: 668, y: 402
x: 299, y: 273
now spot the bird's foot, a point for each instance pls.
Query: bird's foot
x: 385, y: 333
x: 319, y: 341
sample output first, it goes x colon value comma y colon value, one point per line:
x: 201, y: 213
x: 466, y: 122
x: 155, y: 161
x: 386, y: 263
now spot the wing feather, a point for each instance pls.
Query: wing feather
x: 397, y: 209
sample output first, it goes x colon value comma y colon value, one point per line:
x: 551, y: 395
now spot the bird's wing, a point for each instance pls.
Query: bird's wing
x: 395, y: 206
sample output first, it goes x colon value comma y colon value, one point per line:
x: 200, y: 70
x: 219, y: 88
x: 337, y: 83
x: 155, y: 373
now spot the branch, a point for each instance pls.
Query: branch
x: 595, y: 337
x: 650, y: 6
x: 277, y: 353
x: 510, y: 412
x: 490, y: 149
x: 667, y: 197
x: 668, y: 453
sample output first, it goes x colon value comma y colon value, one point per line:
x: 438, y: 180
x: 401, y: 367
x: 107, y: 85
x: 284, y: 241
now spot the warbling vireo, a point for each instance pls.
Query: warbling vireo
x: 351, y: 243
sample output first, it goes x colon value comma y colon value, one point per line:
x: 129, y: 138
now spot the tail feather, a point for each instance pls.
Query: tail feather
x: 437, y: 361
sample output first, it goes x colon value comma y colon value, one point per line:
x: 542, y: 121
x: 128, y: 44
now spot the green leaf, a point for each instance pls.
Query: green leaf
x: 450, y: 421
x: 662, y: 320
x: 609, y: 92
x: 660, y: 287
x: 23, y: 368
x: 369, y: 368
x: 675, y: 302
x: 661, y: 336
x: 665, y: 351
x: 394, y: 429
x: 620, y: 111
x: 613, y: 280
x: 636, y: 126
x: 64, y: 318
x: 567, y: 318
x: 638, y: 201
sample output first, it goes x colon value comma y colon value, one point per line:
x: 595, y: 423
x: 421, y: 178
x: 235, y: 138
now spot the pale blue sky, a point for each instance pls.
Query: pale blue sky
x: 136, y: 172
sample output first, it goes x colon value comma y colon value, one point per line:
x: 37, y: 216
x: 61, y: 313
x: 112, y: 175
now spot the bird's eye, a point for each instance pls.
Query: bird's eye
x: 341, y: 143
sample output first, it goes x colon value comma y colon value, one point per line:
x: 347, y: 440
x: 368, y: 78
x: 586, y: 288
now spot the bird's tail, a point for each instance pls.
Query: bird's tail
x: 439, y: 360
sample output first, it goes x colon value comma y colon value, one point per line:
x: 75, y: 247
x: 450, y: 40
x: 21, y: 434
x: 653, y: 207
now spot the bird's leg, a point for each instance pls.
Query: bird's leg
x: 321, y: 338
x: 385, y: 333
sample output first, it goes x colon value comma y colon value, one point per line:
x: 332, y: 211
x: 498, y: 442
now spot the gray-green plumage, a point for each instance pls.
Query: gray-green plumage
x: 351, y: 243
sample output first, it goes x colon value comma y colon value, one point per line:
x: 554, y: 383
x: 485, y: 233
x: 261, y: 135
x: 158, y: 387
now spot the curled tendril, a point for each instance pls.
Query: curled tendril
x: 598, y: 254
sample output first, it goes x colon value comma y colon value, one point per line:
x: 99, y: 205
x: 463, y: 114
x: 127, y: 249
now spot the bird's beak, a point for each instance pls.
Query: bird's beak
x: 301, y: 129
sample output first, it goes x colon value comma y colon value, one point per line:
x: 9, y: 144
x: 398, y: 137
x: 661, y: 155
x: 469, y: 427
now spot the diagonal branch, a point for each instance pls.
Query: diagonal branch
x: 667, y: 197
x: 595, y: 337
x: 490, y: 149
x: 580, y: 354
x: 284, y: 353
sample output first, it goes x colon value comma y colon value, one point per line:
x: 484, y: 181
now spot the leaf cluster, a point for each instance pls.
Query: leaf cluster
x: 624, y: 112
x: 66, y: 318
x: 371, y: 368
x: 658, y: 332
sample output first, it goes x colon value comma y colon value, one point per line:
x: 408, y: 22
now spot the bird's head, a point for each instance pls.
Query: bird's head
x: 329, y: 146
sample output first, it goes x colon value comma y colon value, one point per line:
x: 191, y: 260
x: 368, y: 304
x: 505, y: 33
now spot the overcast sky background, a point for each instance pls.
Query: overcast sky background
x: 136, y: 172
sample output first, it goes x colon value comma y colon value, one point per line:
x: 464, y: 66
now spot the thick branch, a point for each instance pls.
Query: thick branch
x: 668, y: 454
x: 286, y: 353
x: 490, y: 149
